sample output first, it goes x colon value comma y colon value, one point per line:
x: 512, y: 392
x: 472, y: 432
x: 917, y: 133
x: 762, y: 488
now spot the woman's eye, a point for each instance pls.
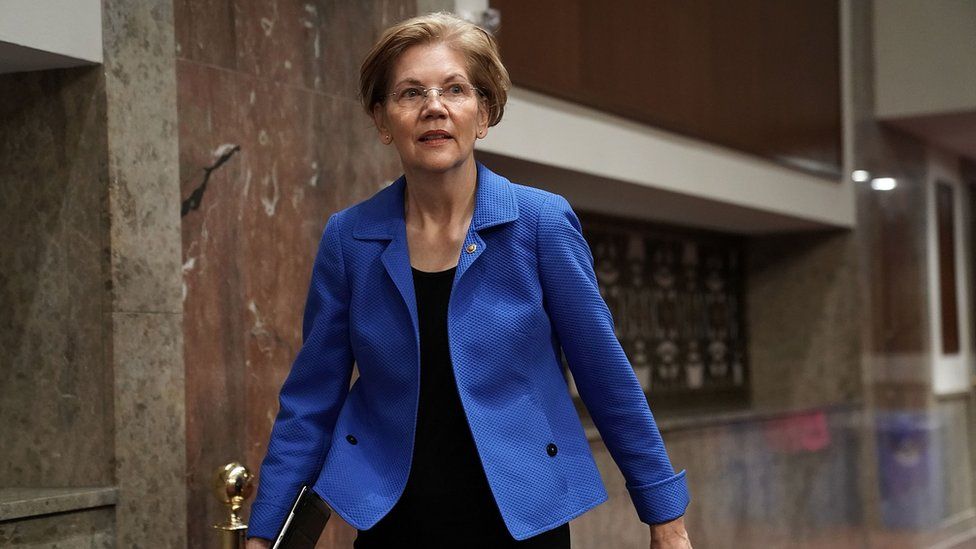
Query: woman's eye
x: 410, y: 92
x: 456, y: 89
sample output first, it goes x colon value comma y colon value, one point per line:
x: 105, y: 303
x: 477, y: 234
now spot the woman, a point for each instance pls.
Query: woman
x: 453, y: 290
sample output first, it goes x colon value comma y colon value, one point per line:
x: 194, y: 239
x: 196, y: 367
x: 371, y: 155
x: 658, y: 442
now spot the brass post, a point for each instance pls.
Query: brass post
x: 233, y: 484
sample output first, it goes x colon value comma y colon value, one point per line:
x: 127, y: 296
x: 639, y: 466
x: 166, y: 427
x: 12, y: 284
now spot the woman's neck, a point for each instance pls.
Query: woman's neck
x: 440, y: 200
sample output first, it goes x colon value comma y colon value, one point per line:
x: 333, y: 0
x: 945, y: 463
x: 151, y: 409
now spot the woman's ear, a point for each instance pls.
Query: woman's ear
x: 482, y: 120
x: 379, y: 119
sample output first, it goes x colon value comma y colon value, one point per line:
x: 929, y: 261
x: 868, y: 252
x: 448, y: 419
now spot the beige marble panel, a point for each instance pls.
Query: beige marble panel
x: 88, y: 529
x: 802, y: 318
x: 143, y: 155
x: 55, y: 395
x: 954, y: 415
x: 19, y: 503
x: 149, y: 433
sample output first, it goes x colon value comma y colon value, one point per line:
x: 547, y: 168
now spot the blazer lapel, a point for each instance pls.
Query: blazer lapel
x: 494, y: 204
x: 396, y: 259
x: 381, y: 218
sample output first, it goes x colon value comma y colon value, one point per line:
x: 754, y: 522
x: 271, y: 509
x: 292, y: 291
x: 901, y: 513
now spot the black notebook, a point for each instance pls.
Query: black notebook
x: 304, y: 523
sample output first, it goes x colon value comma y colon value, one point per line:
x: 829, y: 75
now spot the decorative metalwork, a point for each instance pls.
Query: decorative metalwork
x: 233, y: 484
x: 676, y: 298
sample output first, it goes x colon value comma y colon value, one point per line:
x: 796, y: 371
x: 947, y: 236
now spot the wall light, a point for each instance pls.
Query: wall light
x: 860, y: 175
x: 883, y: 183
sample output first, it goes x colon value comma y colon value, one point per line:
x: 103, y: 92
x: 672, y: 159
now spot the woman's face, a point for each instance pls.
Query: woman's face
x: 431, y: 65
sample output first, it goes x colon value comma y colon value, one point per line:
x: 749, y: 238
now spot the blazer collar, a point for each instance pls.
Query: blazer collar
x: 382, y: 215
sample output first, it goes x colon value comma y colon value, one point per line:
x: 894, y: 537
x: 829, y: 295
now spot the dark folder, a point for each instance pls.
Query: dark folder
x: 305, y: 522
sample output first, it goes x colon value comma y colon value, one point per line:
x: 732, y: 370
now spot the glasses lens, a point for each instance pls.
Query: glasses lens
x: 409, y: 96
x: 455, y: 93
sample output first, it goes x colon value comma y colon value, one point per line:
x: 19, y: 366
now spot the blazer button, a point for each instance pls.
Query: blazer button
x: 472, y: 248
x: 351, y: 439
x: 551, y: 449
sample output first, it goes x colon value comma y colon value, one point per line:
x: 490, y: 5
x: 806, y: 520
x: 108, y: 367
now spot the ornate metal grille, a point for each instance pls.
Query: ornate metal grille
x: 676, y: 297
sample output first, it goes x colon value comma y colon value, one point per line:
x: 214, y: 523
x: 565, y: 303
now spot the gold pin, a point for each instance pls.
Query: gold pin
x: 472, y: 248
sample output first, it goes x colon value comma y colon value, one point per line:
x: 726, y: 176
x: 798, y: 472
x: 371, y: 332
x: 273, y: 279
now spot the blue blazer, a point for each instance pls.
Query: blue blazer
x: 523, y: 288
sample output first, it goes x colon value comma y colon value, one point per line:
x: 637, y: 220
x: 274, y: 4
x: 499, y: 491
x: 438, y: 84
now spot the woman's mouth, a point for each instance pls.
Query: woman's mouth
x: 435, y: 138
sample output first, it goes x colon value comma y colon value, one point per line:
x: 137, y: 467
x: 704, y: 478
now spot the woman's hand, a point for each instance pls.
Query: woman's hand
x: 258, y: 543
x: 670, y: 535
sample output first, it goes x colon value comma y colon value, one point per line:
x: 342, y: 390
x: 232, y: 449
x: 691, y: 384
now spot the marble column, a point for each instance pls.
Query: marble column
x: 146, y: 312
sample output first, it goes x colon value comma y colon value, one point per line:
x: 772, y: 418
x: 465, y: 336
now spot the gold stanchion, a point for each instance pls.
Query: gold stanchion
x: 233, y: 484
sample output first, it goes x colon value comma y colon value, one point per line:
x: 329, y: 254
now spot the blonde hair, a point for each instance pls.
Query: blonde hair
x: 476, y: 44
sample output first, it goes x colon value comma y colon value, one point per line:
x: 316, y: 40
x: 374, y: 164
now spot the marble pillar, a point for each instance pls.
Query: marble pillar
x: 146, y: 311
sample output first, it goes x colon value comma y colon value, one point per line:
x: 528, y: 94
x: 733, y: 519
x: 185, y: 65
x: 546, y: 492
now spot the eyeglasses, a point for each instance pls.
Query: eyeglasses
x: 414, y: 96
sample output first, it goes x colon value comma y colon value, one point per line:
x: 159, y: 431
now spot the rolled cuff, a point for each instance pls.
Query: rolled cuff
x: 265, y: 521
x: 661, y: 501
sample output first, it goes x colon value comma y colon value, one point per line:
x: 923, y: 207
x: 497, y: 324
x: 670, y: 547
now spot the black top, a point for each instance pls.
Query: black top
x: 447, y: 497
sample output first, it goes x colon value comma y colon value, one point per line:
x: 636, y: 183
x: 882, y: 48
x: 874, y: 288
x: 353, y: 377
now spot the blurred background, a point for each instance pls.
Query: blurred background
x: 778, y: 196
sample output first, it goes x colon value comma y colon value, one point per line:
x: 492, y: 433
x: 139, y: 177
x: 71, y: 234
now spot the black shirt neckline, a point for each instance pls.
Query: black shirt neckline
x: 418, y: 272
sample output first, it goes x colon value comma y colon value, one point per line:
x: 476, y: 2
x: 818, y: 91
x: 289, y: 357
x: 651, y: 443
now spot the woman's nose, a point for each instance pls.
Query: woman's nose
x: 433, y: 102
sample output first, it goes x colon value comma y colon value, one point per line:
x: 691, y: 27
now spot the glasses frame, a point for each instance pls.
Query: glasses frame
x: 425, y: 92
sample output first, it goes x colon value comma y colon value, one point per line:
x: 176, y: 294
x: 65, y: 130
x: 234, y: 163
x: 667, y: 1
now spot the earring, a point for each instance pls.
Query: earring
x: 386, y: 139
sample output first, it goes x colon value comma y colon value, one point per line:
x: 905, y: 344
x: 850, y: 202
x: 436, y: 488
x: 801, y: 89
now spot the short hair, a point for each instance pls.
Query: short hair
x: 478, y: 46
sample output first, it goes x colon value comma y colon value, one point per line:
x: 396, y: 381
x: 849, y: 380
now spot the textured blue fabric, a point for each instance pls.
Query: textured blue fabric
x: 526, y: 290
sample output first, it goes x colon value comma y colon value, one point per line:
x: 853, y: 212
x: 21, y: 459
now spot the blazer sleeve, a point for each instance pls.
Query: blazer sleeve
x: 604, y: 376
x: 312, y: 394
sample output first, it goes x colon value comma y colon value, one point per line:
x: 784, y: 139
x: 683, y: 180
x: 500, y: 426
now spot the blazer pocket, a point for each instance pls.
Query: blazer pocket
x: 546, y: 447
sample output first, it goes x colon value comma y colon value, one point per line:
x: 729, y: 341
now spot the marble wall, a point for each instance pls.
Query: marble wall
x: 269, y: 122
x: 803, y: 320
x: 92, y: 388
x: 55, y: 384
x: 952, y: 428
x: 55, y: 390
x: 85, y: 529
